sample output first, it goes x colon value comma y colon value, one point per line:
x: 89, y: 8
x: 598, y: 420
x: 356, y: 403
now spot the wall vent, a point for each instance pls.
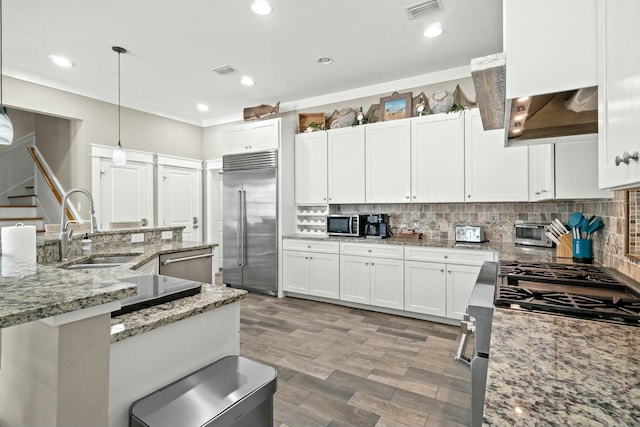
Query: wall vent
x: 223, y: 70
x: 422, y: 9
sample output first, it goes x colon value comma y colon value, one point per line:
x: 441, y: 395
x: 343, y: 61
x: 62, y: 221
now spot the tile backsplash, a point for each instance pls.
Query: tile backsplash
x: 438, y: 221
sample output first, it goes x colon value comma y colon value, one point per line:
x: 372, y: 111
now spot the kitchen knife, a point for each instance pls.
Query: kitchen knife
x: 559, y: 223
x: 556, y: 230
x: 553, y: 238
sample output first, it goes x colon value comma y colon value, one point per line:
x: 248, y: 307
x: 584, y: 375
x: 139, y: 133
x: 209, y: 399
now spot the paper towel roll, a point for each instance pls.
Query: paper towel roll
x: 19, y: 242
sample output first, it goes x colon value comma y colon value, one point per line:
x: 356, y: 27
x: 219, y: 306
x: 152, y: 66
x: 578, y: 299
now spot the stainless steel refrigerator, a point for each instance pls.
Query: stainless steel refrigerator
x: 250, y: 222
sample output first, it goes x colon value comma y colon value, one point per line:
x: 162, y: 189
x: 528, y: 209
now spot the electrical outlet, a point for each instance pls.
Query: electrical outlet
x: 137, y: 238
x: 167, y: 234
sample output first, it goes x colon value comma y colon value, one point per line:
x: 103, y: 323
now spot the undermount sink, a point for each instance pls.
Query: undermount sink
x: 108, y: 261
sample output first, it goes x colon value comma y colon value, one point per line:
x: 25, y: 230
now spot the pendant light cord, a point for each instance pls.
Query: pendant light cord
x: 119, y: 107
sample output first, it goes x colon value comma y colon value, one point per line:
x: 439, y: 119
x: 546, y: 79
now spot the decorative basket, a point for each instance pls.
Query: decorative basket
x: 441, y: 102
x: 306, y: 119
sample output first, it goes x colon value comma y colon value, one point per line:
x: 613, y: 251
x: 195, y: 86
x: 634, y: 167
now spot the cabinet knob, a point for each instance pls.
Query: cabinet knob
x: 406, y: 197
x: 310, y: 257
x: 442, y: 270
x: 306, y: 257
x: 626, y: 157
x: 324, y: 198
x: 369, y: 250
x: 449, y: 271
x: 446, y: 256
x: 543, y: 191
x: 414, y: 197
x: 366, y: 263
x: 371, y: 263
x: 537, y: 193
x: 468, y: 196
x: 308, y: 246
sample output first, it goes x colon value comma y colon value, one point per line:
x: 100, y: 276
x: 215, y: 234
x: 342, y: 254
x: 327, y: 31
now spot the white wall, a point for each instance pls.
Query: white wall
x: 96, y: 122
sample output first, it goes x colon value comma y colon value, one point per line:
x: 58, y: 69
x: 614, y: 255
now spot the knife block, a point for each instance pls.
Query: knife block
x: 565, y: 249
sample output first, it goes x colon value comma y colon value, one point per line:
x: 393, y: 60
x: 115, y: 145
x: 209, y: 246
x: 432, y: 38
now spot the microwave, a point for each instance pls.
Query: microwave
x: 532, y: 235
x: 346, y: 225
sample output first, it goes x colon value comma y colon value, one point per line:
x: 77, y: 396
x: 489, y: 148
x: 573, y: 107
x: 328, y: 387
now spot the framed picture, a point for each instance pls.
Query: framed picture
x: 394, y: 107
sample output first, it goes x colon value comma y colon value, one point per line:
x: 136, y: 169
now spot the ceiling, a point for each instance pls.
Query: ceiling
x: 173, y: 45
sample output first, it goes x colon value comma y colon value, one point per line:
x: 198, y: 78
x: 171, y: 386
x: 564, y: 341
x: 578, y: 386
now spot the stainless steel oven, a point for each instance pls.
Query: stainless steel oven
x: 477, y: 323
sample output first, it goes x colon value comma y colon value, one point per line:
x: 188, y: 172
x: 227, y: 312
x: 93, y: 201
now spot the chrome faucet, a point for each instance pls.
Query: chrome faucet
x: 65, y: 235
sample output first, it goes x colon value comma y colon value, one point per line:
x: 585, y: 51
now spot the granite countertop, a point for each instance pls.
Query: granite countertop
x: 33, y: 291
x: 36, y: 291
x: 547, y: 370
x: 507, y: 251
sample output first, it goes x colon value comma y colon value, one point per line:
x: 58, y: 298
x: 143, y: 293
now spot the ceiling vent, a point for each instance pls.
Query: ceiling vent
x: 422, y: 9
x: 224, y: 70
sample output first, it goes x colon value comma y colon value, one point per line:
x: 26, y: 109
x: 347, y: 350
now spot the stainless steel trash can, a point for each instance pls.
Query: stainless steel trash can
x: 232, y: 392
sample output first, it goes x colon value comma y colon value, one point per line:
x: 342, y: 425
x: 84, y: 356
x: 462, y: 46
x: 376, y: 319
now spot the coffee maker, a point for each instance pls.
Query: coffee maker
x: 376, y: 226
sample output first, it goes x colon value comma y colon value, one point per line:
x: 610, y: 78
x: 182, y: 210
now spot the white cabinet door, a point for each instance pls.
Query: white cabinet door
x: 311, y: 168
x: 581, y: 154
x: 388, y: 162
x: 354, y: 279
x: 541, y: 172
x: 437, y: 158
x: 295, y: 272
x: 550, y: 45
x: 180, y: 196
x: 425, y: 288
x: 346, y: 165
x: 619, y: 92
x: 460, y: 282
x: 249, y: 137
x: 493, y: 173
x: 324, y: 275
x: 125, y: 193
x: 387, y: 283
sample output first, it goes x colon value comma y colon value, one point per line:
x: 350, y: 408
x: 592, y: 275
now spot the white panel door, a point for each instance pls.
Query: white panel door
x: 311, y: 168
x: 460, y: 282
x: 346, y: 172
x: 387, y: 283
x: 125, y: 192
x: 425, y: 288
x: 388, y: 162
x: 180, y: 200
x: 295, y: 272
x: 354, y: 279
x: 324, y: 275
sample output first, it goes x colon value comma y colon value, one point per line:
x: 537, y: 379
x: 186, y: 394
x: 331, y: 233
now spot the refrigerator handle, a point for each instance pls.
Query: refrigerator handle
x: 244, y: 227
x: 239, y: 231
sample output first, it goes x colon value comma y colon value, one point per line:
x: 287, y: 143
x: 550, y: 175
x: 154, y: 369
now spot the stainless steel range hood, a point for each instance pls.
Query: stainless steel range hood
x: 538, y: 119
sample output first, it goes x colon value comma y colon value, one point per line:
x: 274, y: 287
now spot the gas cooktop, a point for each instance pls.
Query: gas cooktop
x: 575, y: 290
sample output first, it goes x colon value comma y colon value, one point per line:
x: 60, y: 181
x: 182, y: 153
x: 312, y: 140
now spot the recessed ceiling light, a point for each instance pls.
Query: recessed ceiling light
x: 61, y: 61
x: 203, y: 107
x: 261, y: 7
x: 433, y: 31
x: 247, y: 81
x: 325, y: 60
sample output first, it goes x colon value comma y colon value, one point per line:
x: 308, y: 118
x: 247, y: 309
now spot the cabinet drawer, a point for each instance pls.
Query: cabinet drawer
x: 459, y: 256
x: 374, y: 250
x: 311, y: 246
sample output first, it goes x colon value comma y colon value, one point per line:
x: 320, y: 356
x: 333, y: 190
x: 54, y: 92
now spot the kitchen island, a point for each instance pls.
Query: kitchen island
x: 64, y: 357
x: 548, y: 370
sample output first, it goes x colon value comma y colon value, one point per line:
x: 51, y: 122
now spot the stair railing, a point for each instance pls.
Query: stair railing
x: 52, y: 182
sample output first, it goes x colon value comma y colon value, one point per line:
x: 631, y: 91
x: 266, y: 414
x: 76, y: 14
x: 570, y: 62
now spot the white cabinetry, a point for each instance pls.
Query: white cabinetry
x: 250, y: 137
x: 550, y: 45
x: 493, y: 173
x: 372, y: 274
x: 311, y: 268
x: 541, y: 172
x: 576, y: 162
x: 619, y: 93
x: 388, y: 162
x: 311, y: 167
x: 346, y: 171
x: 437, y: 153
x: 439, y: 281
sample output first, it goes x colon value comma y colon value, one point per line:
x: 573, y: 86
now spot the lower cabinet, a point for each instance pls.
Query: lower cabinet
x: 310, y: 271
x: 431, y: 281
x: 438, y: 282
x: 371, y: 280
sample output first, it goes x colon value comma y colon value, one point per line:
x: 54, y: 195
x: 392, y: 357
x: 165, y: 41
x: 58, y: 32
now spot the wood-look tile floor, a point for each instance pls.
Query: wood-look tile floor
x: 339, y: 366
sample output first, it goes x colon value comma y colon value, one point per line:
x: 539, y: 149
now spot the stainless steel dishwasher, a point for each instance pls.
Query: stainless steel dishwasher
x: 193, y: 265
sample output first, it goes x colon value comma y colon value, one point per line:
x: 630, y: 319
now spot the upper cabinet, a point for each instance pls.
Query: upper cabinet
x: 581, y: 154
x: 388, y: 162
x: 311, y: 168
x: 250, y: 137
x: 550, y: 46
x: 493, y: 173
x: 437, y: 153
x: 346, y: 175
x: 541, y: 172
x: 619, y: 94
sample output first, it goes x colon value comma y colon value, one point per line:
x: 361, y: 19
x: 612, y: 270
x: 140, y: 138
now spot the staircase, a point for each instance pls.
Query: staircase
x: 22, y: 208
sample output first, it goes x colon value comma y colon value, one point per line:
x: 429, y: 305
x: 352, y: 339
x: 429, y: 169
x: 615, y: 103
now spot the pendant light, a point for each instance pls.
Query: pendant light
x: 119, y: 155
x: 6, y: 128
